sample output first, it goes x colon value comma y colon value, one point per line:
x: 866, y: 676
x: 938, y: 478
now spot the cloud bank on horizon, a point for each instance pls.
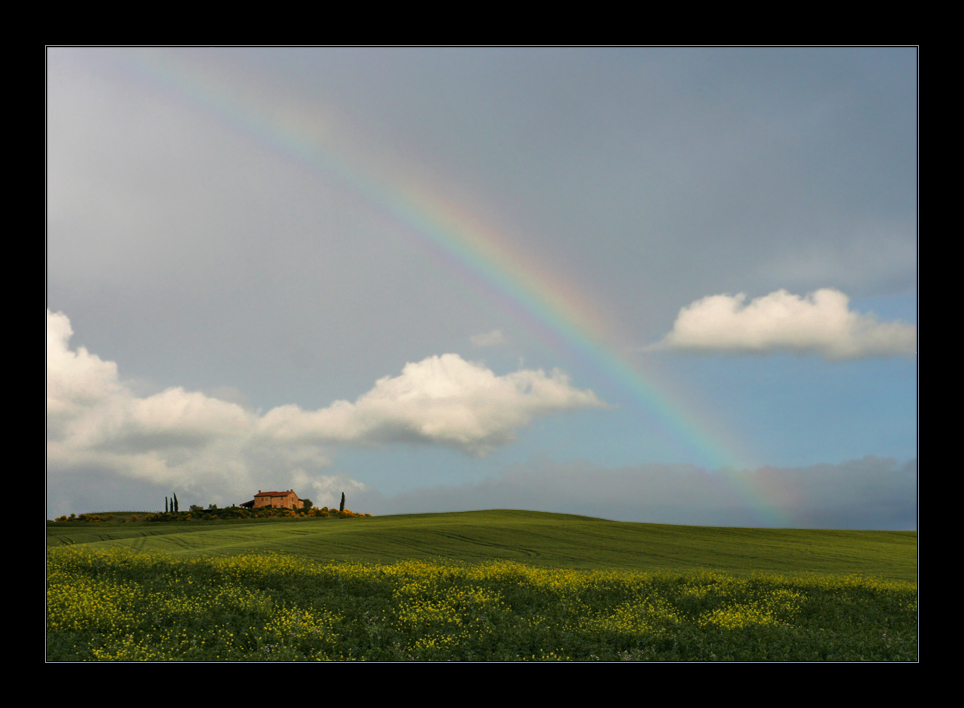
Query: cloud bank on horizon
x: 820, y: 322
x: 869, y: 493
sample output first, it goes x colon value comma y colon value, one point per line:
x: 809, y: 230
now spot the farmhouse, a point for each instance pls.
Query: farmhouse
x: 278, y: 500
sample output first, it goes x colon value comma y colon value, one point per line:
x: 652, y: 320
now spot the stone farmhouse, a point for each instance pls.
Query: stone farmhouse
x: 278, y: 500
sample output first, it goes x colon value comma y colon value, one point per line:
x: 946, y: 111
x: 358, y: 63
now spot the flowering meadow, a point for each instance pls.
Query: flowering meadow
x: 119, y: 605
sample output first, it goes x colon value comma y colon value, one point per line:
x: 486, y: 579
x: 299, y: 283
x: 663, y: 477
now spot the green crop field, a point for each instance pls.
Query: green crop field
x: 493, y: 585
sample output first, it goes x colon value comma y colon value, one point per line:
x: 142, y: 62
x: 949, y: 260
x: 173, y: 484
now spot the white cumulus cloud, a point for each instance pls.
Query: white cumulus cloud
x: 820, y: 322
x: 76, y: 380
x: 442, y: 399
x: 97, y: 424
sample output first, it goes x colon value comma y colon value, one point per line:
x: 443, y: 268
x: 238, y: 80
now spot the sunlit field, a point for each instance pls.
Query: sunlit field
x: 118, y: 604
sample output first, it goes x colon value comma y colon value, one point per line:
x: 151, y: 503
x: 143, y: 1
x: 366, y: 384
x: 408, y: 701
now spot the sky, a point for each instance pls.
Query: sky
x: 670, y: 285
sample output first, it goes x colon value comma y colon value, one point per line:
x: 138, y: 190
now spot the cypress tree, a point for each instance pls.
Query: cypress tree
x: 342, y: 507
x: 165, y: 505
x: 177, y: 507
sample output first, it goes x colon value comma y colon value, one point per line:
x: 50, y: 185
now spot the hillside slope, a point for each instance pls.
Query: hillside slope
x: 534, y: 538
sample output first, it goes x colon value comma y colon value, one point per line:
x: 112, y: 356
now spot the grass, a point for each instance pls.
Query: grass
x: 482, y: 586
x: 533, y: 538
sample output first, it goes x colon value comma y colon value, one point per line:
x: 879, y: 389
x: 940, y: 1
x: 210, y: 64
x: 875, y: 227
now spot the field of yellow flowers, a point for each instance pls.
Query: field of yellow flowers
x: 121, y: 605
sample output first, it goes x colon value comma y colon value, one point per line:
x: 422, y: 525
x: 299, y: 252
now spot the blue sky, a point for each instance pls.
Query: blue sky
x: 674, y: 285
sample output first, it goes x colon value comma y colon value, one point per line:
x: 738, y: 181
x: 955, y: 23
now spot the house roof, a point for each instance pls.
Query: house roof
x: 275, y: 494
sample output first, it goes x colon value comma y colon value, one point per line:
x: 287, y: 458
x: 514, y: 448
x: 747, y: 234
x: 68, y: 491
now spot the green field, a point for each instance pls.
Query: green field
x: 534, y: 538
x: 492, y: 585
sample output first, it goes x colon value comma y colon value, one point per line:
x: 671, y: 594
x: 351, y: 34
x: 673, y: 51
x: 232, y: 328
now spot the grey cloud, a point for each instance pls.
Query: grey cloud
x: 872, y: 493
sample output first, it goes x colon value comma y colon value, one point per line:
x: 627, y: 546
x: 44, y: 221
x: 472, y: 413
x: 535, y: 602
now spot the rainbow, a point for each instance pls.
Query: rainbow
x: 545, y: 302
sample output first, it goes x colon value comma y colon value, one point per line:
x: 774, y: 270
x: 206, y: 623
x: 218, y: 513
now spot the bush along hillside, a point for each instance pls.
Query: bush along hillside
x: 91, y: 518
x: 236, y: 512
x: 197, y: 513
